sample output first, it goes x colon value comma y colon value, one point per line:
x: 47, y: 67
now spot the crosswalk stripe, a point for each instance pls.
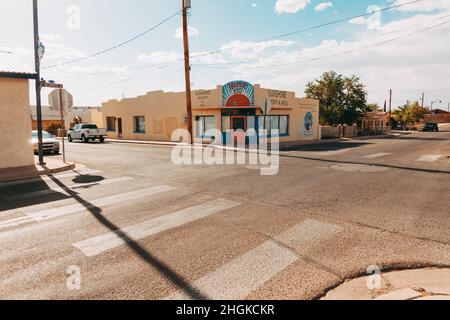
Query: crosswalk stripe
x: 376, y: 155
x: 244, y: 274
x: 99, y: 244
x: 40, y: 193
x: 430, y: 158
x: 238, y: 278
x: 308, y: 233
x: 82, y: 207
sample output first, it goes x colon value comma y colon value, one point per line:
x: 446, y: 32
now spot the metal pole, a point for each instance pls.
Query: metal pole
x: 38, y: 81
x: 390, y: 108
x: 187, y: 71
x: 61, y: 108
x: 423, y: 99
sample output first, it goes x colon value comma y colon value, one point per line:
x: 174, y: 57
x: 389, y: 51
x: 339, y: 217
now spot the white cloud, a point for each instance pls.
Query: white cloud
x: 160, y: 57
x: 358, y: 21
x: 323, y: 6
x: 407, y: 66
x: 291, y: 6
x: 424, y: 6
x: 49, y: 37
x: 252, y: 50
x: 191, y: 32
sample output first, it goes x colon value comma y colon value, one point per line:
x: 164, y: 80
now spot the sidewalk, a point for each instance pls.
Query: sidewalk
x: 420, y: 284
x: 53, y: 165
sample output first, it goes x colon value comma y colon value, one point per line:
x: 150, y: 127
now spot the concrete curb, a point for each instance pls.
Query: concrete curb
x: 410, y: 284
x: 33, y: 172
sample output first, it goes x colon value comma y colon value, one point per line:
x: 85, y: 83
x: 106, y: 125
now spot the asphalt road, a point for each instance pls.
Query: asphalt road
x: 133, y: 225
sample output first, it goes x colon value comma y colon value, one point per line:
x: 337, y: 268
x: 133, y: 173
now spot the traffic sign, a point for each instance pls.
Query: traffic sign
x: 54, y: 100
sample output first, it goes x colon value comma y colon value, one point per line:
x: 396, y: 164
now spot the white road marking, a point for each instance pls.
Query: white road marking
x: 241, y: 276
x: 80, y: 207
x: 40, y: 193
x: 308, y: 233
x: 430, y: 158
x: 244, y: 274
x: 376, y: 155
x: 99, y: 244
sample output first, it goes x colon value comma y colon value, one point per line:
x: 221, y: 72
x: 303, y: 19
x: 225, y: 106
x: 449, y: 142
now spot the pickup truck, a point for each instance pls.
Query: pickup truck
x: 86, y: 132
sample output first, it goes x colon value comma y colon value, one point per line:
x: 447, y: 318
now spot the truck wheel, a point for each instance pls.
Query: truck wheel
x: 69, y: 137
x: 84, y: 139
x: 102, y: 139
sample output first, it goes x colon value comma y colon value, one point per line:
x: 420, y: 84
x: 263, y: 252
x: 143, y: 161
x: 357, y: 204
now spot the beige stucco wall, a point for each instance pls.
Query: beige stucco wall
x: 165, y: 112
x: 15, y: 124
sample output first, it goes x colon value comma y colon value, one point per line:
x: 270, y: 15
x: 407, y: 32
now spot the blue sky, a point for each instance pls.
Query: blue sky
x: 408, y: 65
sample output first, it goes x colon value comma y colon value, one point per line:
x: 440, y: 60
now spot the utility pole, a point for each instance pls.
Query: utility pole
x: 37, y: 62
x: 390, y: 108
x: 187, y: 68
x: 423, y: 99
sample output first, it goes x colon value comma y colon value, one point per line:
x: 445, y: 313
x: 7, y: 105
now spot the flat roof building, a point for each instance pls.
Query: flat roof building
x: 15, y: 125
x: 237, y: 105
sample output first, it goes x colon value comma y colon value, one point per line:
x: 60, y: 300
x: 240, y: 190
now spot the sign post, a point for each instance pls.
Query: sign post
x: 267, y: 109
x: 59, y: 99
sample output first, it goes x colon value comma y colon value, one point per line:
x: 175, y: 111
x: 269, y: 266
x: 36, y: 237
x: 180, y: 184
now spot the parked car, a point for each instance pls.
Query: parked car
x: 431, y: 127
x: 86, y: 132
x: 49, y: 143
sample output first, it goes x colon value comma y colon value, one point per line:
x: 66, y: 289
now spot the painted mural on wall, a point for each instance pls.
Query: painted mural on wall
x: 238, y: 93
x: 308, y: 124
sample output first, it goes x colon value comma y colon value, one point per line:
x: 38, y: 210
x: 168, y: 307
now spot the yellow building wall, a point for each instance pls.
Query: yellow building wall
x: 165, y: 111
x: 15, y: 124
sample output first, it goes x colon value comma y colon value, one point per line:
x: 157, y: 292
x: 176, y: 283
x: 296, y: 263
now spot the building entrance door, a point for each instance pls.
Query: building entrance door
x: 119, y: 127
x: 239, y: 123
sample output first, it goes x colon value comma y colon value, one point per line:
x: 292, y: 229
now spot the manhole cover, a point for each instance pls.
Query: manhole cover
x: 358, y: 168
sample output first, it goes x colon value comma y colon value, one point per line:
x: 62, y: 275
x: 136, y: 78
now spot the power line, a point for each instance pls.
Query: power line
x: 311, y: 28
x: 383, y: 43
x: 114, y: 47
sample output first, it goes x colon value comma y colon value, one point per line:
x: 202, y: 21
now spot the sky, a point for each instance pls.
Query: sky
x: 404, y: 49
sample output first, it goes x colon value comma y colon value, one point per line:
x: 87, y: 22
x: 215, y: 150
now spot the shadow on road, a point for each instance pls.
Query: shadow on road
x: 331, y: 146
x: 367, y: 164
x: 146, y: 256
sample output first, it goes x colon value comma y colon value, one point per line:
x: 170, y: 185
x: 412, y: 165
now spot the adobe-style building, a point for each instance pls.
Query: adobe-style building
x: 51, y: 119
x: 235, y: 105
x: 16, y: 151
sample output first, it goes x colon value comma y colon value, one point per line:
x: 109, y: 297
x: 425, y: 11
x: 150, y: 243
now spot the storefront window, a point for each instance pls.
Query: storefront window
x: 274, y: 123
x: 139, y: 124
x: 203, y: 124
x: 110, y: 124
x: 284, y: 125
x: 226, y: 123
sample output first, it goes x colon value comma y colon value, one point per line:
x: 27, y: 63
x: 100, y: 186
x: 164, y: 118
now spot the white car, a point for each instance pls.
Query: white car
x: 86, y: 132
x: 49, y: 143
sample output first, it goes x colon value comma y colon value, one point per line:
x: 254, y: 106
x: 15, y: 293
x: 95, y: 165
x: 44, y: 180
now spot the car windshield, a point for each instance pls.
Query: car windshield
x: 45, y: 135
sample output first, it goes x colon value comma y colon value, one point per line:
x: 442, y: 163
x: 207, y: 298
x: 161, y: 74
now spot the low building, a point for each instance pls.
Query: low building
x: 375, y: 122
x: 236, y: 105
x: 51, y: 119
x: 15, y: 127
x: 438, y: 116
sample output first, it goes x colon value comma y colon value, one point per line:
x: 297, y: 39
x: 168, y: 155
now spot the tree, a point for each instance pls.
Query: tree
x: 371, y: 107
x: 341, y: 98
x: 410, y: 113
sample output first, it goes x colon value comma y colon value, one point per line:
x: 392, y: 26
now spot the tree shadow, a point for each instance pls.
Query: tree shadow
x: 146, y: 256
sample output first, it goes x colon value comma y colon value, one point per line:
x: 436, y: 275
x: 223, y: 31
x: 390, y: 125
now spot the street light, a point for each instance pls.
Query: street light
x: 431, y: 109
